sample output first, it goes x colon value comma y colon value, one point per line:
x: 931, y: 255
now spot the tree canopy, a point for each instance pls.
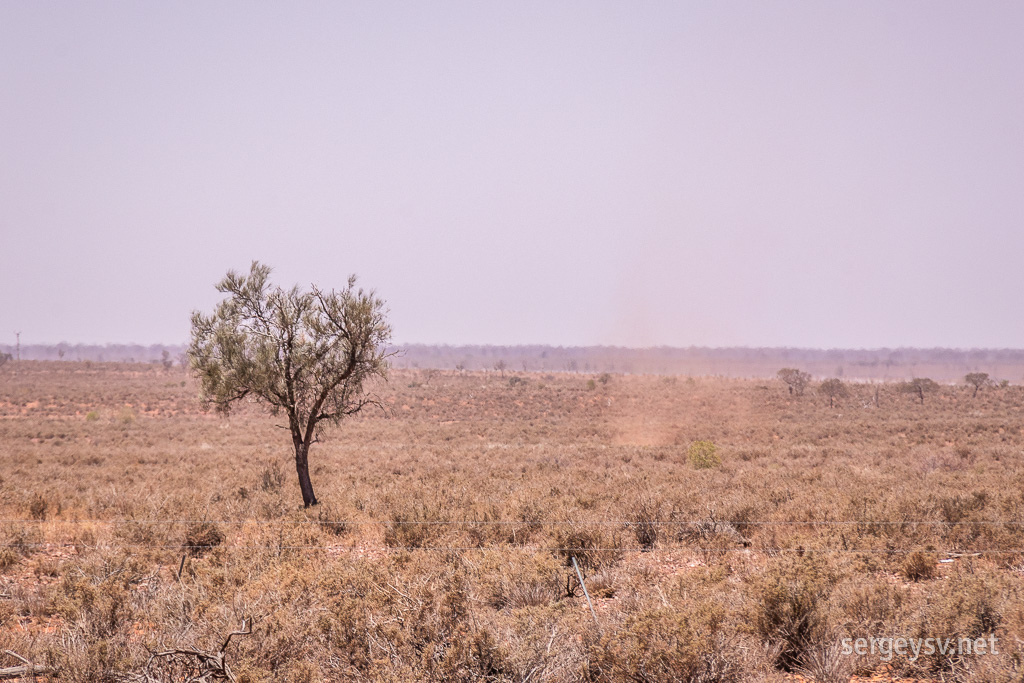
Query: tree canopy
x: 977, y: 380
x: 919, y: 386
x: 307, y: 354
x: 833, y: 388
x: 797, y: 380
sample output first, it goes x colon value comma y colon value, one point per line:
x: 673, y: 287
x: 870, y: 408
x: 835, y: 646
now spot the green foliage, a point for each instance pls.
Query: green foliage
x: 704, y: 455
x: 308, y: 354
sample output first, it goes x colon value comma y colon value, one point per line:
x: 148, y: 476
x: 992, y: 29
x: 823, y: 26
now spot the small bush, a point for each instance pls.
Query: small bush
x: 329, y: 521
x: 92, y: 416
x: 528, y: 594
x: 8, y: 557
x: 271, y: 477
x: 788, y: 612
x: 919, y: 565
x: 588, y: 544
x: 37, y: 508
x: 417, y: 526
x: 704, y: 455
x: 668, y: 645
x: 601, y: 584
x: 645, y: 524
x: 201, y: 538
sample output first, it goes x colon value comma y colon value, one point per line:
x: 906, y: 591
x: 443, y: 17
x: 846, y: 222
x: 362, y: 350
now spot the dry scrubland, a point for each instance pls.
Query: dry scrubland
x: 439, y: 553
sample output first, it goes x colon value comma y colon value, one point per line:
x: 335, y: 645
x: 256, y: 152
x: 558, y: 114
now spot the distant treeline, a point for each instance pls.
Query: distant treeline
x: 859, y: 364
x: 131, y: 353
x: 855, y: 364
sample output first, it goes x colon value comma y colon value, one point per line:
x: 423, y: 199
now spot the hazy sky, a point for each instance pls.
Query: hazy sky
x: 635, y: 173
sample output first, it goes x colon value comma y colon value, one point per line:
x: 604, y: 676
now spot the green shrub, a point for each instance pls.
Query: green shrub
x: 704, y: 455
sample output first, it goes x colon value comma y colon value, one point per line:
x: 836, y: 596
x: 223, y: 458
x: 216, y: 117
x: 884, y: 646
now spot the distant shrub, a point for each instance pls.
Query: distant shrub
x: 8, y: 557
x: 704, y: 455
x: 271, y: 477
x: 919, y: 565
x: 201, y: 538
x: 796, y: 380
x: 588, y: 544
x: 37, y: 508
x: 414, y: 526
x: 919, y: 386
x: 92, y: 416
x: 591, y: 385
x: 645, y: 523
x: 330, y: 522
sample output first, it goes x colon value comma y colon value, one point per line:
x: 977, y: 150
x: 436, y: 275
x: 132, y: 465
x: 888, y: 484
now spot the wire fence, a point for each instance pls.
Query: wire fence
x: 706, y: 529
x: 527, y: 522
x: 507, y: 548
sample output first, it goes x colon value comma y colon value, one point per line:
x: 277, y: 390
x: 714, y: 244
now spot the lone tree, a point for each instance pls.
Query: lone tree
x: 308, y: 355
x: 833, y: 388
x: 797, y: 380
x: 919, y: 386
x: 977, y: 380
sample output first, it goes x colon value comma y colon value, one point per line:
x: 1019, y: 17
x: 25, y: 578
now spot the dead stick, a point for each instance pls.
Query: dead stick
x: 22, y: 671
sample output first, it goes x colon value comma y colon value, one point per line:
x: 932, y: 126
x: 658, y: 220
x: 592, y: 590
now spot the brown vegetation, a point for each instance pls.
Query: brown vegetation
x: 136, y: 524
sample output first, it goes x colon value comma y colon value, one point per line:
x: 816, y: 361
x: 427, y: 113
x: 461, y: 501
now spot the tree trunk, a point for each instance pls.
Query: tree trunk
x: 302, y: 467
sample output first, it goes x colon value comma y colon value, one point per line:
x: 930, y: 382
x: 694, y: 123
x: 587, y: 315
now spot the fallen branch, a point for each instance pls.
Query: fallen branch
x: 198, y: 666
x: 28, y: 669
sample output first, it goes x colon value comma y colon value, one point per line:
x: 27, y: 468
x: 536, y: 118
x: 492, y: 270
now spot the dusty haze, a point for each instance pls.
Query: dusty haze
x: 762, y: 174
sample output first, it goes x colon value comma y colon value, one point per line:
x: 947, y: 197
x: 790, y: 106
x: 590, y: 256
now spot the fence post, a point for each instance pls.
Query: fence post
x: 579, y: 575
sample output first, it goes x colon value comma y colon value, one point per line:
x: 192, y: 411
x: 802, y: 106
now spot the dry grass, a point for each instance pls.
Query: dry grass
x: 443, y: 548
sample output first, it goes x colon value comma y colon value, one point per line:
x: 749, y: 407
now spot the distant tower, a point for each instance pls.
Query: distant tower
x: 17, y: 335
